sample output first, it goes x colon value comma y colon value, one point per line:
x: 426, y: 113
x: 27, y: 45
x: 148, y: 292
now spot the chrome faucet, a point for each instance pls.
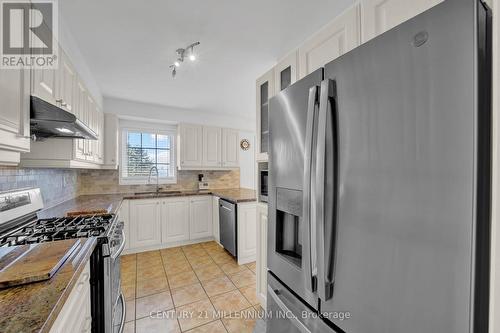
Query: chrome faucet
x: 157, y: 178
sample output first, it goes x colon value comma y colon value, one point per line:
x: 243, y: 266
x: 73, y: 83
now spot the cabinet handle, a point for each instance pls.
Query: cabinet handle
x: 59, y: 100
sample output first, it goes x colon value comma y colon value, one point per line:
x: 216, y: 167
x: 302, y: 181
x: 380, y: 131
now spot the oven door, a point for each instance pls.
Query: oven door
x: 114, y: 306
x: 291, y: 233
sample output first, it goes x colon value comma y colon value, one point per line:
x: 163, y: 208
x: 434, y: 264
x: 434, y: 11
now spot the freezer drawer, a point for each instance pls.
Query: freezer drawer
x: 227, y: 221
x: 289, y: 314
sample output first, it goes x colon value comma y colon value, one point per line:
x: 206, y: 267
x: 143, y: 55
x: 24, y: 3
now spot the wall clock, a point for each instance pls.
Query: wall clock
x: 244, y: 144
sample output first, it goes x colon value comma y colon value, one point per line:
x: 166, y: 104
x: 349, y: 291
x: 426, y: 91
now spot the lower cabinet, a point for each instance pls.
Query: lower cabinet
x: 174, y: 219
x: 261, y: 264
x: 154, y: 223
x: 145, y: 223
x: 200, y: 217
x: 215, y: 218
x: 75, y: 315
x: 247, y: 232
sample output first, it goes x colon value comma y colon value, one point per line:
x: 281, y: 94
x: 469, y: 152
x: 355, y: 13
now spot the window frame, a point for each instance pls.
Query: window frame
x: 143, y: 180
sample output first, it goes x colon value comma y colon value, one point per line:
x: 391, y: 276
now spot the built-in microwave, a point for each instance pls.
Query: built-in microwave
x: 263, y: 181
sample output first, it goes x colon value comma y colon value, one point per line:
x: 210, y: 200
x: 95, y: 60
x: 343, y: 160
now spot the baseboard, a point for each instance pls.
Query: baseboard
x: 166, y: 245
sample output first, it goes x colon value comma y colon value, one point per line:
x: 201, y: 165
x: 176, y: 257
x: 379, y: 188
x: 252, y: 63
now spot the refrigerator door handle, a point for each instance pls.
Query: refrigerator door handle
x: 290, y: 315
x: 309, y: 222
x: 326, y: 188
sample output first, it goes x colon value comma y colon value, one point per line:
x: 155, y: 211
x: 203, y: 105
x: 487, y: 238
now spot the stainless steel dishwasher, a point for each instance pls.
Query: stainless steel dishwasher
x: 227, y: 225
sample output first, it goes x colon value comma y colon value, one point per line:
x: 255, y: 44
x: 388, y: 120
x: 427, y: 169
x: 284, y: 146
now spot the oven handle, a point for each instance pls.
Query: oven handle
x: 120, y: 249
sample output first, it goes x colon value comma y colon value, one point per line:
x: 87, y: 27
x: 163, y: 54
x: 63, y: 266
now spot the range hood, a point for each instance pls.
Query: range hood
x: 50, y: 121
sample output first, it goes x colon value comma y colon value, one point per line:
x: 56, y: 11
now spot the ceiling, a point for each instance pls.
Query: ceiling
x: 128, y: 46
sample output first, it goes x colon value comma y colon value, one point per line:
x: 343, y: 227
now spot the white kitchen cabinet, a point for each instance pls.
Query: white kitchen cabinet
x: 14, y: 115
x: 336, y: 38
x: 215, y: 218
x: 246, y: 232
x: 190, y: 146
x: 207, y: 148
x: 200, y: 217
x: 379, y: 16
x: 261, y: 262
x: 75, y: 315
x: 145, y: 223
x: 44, y: 84
x: 174, y: 219
x: 265, y: 90
x: 111, y: 140
x: 212, y: 145
x: 230, y: 148
x: 66, y: 83
x: 286, y: 71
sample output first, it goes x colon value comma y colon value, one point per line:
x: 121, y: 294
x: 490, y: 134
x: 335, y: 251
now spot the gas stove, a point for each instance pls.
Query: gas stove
x: 47, y: 230
x: 19, y: 225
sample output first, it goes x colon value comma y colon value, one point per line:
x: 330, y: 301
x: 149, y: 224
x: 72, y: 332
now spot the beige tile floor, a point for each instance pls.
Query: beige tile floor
x: 195, y: 288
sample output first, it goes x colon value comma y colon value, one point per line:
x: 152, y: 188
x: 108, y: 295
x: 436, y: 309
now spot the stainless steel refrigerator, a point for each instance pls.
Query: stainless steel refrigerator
x: 379, y: 178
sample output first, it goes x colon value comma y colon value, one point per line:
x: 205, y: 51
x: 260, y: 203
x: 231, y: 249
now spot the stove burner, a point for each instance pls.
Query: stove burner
x: 47, y: 230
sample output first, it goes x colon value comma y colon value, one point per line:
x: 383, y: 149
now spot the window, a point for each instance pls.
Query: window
x: 143, y: 149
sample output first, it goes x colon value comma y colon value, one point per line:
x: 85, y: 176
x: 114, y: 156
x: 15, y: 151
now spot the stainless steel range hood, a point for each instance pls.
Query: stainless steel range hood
x: 50, y: 121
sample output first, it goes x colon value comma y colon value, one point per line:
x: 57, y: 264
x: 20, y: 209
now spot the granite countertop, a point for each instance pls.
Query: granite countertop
x: 112, y: 202
x: 34, y: 307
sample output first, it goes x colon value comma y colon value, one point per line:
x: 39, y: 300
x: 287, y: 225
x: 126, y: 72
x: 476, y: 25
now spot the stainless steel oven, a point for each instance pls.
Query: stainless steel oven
x: 114, y: 303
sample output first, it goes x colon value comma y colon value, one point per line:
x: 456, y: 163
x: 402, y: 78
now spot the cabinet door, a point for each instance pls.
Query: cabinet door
x: 247, y: 232
x: 91, y: 144
x: 286, y: 71
x: 200, y: 217
x: 145, y: 223
x: 230, y: 148
x: 379, y: 16
x: 175, y: 220
x: 14, y: 113
x: 191, y: 147
x: 338, y: 37
x: 265, y: 90
x: 110, y: 140
x: 44, y: 84
x: 81, y: 112
x: 212, y: 145
x: 261, y: 263
x: 67, y: 84
x: 215, y: 218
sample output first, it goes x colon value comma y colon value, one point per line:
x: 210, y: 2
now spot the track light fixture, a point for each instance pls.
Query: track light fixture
x: 181, y: 53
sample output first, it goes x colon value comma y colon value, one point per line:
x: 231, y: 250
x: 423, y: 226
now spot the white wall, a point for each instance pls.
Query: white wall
x: 247, y: 161
x: 71, y: 48
x: 153, y: 112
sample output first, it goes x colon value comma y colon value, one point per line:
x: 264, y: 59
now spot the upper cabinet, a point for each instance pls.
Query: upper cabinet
x: 190, y: 143
x: 379, y: 16
x: 212, y: 144
x: 14, y: 115
x: 44, y: 84
x: 66, y: 89
x: 336, y: 38
x: 207, y: 148
x: 286, y: 71
x: 230, y: 148
x: 265, y: 90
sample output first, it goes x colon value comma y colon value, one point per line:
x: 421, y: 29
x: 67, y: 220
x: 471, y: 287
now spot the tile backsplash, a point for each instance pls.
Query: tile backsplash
x: 107, y: 181
x: 56, y: 185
